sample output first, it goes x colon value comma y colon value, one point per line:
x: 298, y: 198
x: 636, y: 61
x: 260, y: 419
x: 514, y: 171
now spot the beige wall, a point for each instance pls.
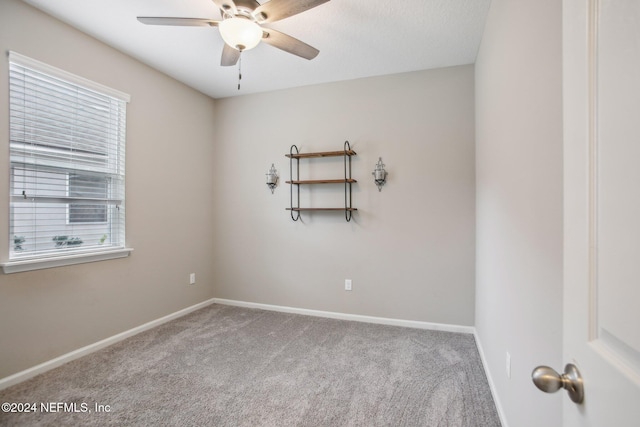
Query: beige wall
x: 519, y: 203
x: 409, y: 249
x: 170, y: 146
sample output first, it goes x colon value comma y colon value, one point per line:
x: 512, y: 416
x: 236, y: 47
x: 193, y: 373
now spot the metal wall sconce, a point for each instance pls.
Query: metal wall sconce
x: 379, y: 174
x: 272, y: 178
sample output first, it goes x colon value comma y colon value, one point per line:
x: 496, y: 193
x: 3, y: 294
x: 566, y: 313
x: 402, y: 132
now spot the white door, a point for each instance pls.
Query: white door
x: 601, y: 79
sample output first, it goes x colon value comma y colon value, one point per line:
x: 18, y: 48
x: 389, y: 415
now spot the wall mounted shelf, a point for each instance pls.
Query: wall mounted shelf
x: 295, y: 155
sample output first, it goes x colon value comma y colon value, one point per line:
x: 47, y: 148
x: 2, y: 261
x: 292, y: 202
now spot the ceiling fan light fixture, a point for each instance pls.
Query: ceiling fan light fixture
x: 240, y: 33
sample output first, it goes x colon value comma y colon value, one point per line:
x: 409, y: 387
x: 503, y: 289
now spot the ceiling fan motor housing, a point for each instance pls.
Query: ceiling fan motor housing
x: 243, y: 8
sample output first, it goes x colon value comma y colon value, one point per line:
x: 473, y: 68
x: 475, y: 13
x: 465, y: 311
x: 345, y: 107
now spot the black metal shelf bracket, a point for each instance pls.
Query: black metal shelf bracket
x: 297, y: 178
x: 347, y: 182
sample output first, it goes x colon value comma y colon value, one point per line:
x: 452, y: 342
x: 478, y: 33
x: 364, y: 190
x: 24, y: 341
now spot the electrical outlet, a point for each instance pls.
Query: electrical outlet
x: 347, y: 284
x: 508, y: 365
x: 192, y: 279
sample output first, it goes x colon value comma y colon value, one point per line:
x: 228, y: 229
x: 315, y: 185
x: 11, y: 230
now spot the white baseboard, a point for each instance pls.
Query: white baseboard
x: 494, y: 392
x: 355, y: 317
x: 68, y: 357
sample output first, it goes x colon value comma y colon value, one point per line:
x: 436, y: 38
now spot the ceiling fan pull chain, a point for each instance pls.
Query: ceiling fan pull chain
x: 239, y: 69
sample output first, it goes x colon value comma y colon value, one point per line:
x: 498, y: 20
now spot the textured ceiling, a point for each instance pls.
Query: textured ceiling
x: 356, y: 38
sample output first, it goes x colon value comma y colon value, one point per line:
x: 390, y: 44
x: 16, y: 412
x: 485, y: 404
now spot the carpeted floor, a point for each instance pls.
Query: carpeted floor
x: 230, y: 366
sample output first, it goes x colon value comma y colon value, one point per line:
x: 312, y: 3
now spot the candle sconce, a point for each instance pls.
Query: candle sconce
x: 379, y: 174
x: 272, y: 178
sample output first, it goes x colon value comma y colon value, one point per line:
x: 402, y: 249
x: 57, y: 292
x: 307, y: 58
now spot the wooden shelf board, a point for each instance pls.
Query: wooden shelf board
x: 321, y: 209
x: 322, y: 181
x: 321, y: 154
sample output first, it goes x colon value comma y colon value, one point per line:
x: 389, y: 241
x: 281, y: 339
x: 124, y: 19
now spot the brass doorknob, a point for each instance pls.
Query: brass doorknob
x: 549, y: 381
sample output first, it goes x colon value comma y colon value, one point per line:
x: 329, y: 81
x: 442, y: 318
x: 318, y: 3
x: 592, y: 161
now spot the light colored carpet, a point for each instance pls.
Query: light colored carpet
x: 230, y: 366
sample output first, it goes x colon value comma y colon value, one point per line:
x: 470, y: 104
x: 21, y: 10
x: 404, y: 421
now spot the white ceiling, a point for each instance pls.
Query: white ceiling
x: 356, y: 38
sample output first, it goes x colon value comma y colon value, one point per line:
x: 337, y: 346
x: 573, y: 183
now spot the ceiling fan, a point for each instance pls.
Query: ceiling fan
x: 241, y: 26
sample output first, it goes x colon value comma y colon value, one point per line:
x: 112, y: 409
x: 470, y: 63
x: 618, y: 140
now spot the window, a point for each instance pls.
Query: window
x: 67, y: 153
x: 88, y: 187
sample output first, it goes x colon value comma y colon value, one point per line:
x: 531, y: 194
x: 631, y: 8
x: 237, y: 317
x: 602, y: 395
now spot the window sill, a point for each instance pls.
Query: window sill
x: 50, y: 262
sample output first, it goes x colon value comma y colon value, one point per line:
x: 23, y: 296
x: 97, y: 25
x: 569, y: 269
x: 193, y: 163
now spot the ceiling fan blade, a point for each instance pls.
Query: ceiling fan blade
x: 288, y: 43
x: 274, y: 10
x: 227, y: 6
x: 230, y: 56
x: 183, y: 22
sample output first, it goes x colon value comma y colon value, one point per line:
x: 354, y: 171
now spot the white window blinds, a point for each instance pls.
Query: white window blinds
x: 67, y: 162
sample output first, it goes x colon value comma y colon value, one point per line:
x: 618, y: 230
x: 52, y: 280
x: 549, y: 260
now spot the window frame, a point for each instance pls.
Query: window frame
x: 42, y: 258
